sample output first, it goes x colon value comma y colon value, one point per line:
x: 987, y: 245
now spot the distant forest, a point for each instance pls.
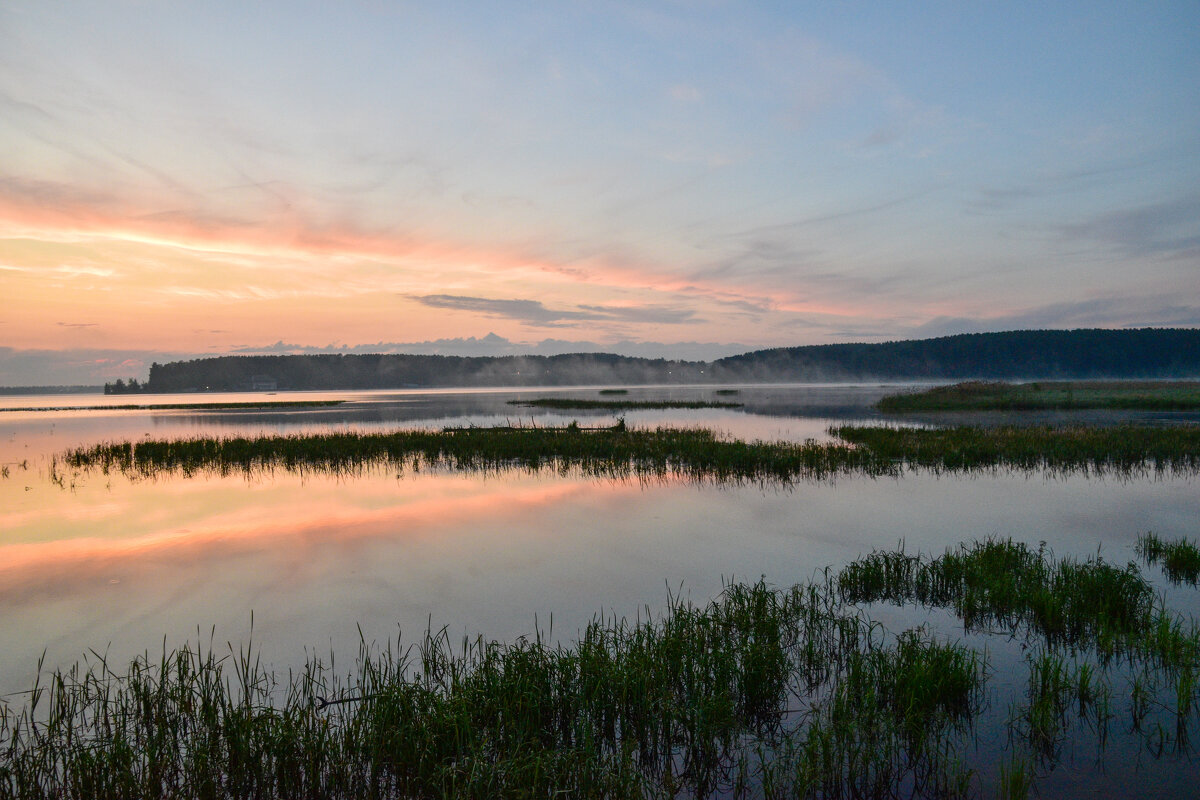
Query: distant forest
x: 1093, y: 353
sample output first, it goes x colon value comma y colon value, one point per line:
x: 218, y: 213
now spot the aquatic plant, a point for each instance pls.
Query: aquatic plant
x: 618, y: 452
x: 1180, y: 559
x: 1117, y: 449
x: 1049, y: 395
x: 688, y: 453
x: 1000, y: 584
x: 760, y: 692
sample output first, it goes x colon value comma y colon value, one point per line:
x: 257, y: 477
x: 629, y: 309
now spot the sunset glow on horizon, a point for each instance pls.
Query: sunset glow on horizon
x: 182, y: 181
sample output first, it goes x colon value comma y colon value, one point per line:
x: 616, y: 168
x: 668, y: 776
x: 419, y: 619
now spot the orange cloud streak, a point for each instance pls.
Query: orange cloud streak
x: 71, y: 218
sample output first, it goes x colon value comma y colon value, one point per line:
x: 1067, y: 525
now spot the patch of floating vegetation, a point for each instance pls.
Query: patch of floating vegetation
x: 1050, y: 395
x: 1088, y: 627
x: 688, y: 453
x: 763, y: 692
x: 1180, y: 559
x: 616, y: 452
x: 190, y: 406
x: 618, y: 405
x: 1071, y: 448
x: 1001, y: 584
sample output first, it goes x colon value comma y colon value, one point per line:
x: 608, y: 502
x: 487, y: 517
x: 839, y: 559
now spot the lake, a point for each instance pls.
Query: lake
x: 309, y: 563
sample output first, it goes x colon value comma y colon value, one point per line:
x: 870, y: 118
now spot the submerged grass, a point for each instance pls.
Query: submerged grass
x: 691, y: 453
x: 1180, y: 559
x: 999, y: 584
x: 762, y: 692
x: 1074, y: 448
x: 1050, y: 395
x: 611, y: 452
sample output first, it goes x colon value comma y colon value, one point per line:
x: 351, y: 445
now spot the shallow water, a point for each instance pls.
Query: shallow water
x: 106, y: 564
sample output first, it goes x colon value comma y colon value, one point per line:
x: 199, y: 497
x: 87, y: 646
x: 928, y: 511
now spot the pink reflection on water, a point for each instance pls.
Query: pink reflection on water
x: 213, y: 520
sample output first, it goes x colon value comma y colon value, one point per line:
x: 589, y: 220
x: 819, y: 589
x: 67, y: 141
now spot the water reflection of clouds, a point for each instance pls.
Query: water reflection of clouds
x: 215, y: 520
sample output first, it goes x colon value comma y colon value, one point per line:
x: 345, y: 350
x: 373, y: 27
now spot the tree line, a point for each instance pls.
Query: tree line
x: 1045, y: 354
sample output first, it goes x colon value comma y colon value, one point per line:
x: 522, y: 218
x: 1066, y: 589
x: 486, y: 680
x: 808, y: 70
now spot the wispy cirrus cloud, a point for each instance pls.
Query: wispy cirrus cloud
x: 534, y: 312
x: 1170, y: 227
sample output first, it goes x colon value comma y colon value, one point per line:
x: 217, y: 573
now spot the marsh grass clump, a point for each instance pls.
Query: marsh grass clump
x: 618, y: 452
x: 761, y: 692
x: 894, y: 725
x: 1049, y: 395
x: 633, y: 709
x: 999, y: 584
x: 1121, y: 450
x: 1059, y: 694
x: 1180, y: 559
x: 695, y: 454
x: 692, y: 704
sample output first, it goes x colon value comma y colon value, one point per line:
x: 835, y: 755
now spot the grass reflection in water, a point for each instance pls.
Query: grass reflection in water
x: 693, y: 453
x: 762, y: 692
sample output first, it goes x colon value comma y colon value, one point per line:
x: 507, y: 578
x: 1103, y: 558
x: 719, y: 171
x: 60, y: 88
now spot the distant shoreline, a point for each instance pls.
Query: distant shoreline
x: 70, y: 389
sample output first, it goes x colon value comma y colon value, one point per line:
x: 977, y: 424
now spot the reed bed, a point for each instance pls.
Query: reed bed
x: 999, y: 584
x: 685, y: 705
x: 1098, y: 641
x: 763, y: 692
x: 1180, y: 559
x: 1049, y: 395
x: 1116, y: 450
x: 609, y: 453
x: 690, y: 453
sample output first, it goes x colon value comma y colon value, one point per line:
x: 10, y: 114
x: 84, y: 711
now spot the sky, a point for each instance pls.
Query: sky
x: 696, y: 178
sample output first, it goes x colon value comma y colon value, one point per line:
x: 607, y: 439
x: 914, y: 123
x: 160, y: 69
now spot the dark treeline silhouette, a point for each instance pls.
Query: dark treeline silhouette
x: 1091, y: 353
x: 390, y: 371
x: 1141, y: 353
x: 131, y: 386
x: 50, y: 389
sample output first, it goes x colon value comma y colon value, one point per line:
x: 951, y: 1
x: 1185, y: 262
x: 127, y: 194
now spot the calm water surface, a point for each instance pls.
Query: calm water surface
x: 107, y: 564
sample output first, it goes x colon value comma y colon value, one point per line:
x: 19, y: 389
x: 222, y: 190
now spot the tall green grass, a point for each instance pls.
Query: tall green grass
x: 761, y: 692
x: 1049, y: 395
x: 999, y: 584
x: 1114, y: 450
x: 612, y: 453
x: 1180, y: 559
x: 646, y: 708
x: 690, y: 453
